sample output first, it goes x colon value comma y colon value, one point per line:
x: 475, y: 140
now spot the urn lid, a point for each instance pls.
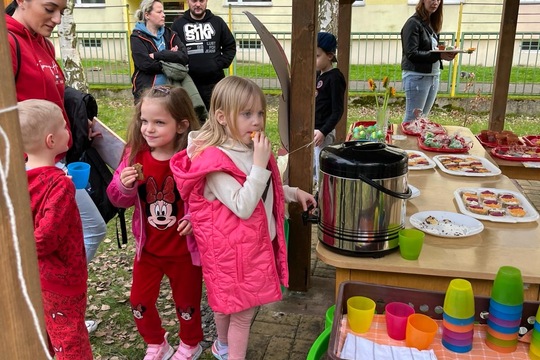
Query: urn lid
x: 374, y: 160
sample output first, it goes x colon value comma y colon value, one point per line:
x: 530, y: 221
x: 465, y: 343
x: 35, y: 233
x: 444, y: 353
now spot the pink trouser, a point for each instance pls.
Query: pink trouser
x: 64, y: 321
x: 233, y: 329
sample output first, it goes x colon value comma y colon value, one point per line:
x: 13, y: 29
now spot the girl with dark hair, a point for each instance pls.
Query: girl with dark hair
x: 163, y: 118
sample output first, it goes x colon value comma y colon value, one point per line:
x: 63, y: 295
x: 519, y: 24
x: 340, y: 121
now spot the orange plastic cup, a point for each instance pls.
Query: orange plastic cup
x: 420, y: 332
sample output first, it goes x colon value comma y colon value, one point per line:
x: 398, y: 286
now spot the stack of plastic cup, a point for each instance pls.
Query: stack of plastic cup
x: 505, y: 309
x: 534, y: 349
x: 458, y: 316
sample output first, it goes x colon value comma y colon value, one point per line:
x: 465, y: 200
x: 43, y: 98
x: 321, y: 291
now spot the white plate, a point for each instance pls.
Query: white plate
x: 431, y: 164
x: 415, y: 192
x: 453, y: 51
x: 531, y: 213
x: 488, y: 165
x: 448, y: 224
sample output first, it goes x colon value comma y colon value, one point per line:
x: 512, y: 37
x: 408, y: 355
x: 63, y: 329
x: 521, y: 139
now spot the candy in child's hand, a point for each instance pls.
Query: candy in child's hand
x: 138, y: 167
x: 253, y: 133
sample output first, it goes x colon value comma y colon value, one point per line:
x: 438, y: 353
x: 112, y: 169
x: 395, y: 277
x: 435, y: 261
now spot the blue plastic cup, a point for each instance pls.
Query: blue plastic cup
x: 80, y: 173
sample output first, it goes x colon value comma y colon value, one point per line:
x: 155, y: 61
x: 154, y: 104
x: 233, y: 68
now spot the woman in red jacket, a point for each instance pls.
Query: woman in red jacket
x: 30, y: 24
x: 29, y: 27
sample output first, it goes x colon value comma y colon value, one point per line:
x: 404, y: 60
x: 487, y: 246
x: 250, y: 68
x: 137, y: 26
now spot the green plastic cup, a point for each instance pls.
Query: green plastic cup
x: 508, y: 286
x: 459, y: 299
x: 410, y: 243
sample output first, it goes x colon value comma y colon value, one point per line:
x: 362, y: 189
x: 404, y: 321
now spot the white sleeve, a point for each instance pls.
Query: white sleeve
x: 290, y: 193
x: 240, y: 199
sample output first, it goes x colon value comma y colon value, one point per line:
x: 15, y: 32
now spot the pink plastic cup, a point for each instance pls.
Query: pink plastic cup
x: 396, y: 314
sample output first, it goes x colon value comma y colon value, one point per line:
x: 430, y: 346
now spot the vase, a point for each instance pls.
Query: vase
x: 382, y: 125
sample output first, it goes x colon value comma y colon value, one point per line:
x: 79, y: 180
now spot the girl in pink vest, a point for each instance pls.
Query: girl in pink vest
x: 231, y: 182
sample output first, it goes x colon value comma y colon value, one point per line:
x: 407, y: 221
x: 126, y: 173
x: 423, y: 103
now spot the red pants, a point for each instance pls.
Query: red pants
x: 186, y: 284
x: 64, y: 321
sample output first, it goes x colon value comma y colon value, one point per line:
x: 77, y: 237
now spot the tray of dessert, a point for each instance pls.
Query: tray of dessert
x: 419, y: 126
x: 444, y: 143
x: 517, y: 153
x: 491, y: 139
x: 419, y: 161
x: 466, y: 165
x: 531, y: 140
x: 495, y: 205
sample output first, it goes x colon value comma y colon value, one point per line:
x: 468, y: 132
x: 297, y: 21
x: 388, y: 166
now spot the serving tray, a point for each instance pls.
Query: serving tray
x: 466, y: 165
x: 517, y: 153
x: 428, y: 126
x: 531, y: 140
x: 441, y: 149
x: 530, y: 211
x: 495, y: 144
x: 419, y: 161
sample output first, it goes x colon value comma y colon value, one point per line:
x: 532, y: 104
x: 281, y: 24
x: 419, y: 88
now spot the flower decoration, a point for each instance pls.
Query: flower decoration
x: 387, y: 93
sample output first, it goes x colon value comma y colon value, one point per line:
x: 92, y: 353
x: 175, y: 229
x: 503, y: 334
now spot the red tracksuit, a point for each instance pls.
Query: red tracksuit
x: 164, y: 253
x: 61, y: 260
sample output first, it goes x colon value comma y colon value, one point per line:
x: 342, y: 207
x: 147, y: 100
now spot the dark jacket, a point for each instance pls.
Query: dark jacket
x: 147, y: 68
x: 329, y: 100
x: 416, y: 43
x: 210, y: 45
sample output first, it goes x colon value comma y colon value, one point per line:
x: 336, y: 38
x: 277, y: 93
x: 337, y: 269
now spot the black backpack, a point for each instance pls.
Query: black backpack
x: 80, y: 107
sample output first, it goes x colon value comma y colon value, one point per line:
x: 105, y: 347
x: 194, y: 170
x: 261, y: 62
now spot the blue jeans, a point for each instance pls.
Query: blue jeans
x: 94, y: 227
x: 420, y: 93
x: 328, y: 140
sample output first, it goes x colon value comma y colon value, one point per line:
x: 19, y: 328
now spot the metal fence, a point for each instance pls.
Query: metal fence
x: 107, y: 60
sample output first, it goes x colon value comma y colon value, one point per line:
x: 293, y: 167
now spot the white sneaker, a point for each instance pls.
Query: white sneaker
x: 91, y: 325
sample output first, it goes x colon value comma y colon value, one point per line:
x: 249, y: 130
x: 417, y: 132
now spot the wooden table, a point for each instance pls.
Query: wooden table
x: 476, y: 258
x: 516, y: 170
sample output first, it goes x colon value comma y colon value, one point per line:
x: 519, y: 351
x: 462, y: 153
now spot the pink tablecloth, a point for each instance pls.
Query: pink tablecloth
x: 377, y: 334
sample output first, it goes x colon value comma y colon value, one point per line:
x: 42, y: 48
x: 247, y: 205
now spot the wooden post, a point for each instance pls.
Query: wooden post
x: 503, y: 67
x: 302, y: 118
x: 20, y: 337
x: 344, y: 50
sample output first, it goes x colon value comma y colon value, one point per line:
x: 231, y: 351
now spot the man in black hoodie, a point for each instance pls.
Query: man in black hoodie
x: 210, y: 44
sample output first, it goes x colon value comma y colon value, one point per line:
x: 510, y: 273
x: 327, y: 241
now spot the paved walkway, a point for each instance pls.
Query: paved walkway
x: 286, y: 330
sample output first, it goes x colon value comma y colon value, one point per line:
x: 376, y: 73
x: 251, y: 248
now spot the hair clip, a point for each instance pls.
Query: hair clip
x: 163, y: 89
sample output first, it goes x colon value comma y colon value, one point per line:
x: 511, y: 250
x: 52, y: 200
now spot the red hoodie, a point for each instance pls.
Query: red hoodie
x: 58, y: 231
x: 40, y: 76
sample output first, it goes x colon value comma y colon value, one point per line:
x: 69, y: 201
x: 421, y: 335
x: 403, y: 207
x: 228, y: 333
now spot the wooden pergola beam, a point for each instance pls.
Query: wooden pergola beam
x: 503, y: 67
x: 19, y: 338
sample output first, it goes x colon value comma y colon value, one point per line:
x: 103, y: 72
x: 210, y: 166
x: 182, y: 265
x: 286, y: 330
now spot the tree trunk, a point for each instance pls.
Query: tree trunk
x: 73, y: 69
x: 328, y: 16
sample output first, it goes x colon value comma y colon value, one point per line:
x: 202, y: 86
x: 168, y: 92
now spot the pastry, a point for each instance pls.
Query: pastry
x: 486, y: 194
x: 516, y: 211
x: 492, y: 204
x: 496, y: 212
x: 508, y: 199
x: 140, y: 175
x: 478, y: 209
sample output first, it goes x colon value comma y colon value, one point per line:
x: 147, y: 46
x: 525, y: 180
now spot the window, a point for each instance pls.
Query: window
x: 89, y: 3
x: 91, y: 43
x: 249, y: 2
x: 249, y: 44
x: 530, y: 45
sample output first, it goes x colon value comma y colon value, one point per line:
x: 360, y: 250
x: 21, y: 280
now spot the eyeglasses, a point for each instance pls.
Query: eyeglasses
x: 162, y: 89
